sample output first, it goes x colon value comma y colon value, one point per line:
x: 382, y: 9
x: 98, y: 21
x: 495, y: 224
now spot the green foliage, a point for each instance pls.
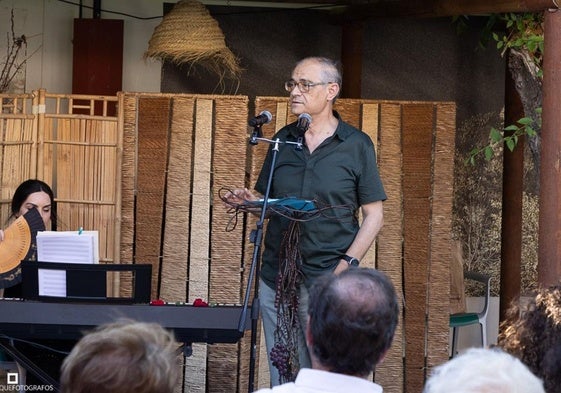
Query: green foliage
x: 522, y: 32
x: 508, y: 137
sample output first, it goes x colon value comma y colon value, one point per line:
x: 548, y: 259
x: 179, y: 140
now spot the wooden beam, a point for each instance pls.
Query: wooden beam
x: 549, y: 250
x: 438, y: 8
x: 351, y: 56
x: 513, y: 185
x: 414, y: 8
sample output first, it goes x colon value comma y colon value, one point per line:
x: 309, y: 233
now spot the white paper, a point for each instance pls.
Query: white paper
x: 63, y: 247
x: 52, y: 282
x: 68, y: 246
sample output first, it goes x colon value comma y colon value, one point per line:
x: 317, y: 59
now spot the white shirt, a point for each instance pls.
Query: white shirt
x: 318, y: 381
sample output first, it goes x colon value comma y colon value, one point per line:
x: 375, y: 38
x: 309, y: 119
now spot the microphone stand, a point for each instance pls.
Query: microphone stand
x: 256, y: 238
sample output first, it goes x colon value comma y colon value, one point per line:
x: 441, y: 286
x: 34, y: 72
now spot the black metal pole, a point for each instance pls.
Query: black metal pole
x: 256, y: 239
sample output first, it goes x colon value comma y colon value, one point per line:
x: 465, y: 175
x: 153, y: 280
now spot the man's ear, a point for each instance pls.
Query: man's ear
x: 332, y: 91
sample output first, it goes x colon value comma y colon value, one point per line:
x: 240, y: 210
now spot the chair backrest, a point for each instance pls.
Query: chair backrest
x: 486, y: 280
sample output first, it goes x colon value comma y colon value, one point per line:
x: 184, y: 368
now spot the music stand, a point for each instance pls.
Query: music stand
x: 257, y: 238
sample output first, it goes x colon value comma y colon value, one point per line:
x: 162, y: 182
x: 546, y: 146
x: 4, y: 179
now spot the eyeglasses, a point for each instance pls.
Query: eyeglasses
x: 303, y: 86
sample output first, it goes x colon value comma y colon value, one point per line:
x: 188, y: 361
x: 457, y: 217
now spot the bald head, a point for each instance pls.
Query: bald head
x: 352, y: 320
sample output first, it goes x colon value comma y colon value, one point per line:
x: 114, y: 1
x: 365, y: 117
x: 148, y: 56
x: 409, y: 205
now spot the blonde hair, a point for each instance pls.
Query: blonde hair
x: 125, y: 357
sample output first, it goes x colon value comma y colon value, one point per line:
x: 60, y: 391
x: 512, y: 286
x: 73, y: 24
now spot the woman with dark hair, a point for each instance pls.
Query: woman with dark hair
x: 34, y: 194
x: 533, y: 334
x: 31, y: 194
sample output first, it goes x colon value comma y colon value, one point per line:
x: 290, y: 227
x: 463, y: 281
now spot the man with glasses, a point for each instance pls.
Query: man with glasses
x: 336, y: 168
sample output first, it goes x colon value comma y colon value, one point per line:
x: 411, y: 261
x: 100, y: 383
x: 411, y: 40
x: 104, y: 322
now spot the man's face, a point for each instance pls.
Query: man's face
x: 319, y: 96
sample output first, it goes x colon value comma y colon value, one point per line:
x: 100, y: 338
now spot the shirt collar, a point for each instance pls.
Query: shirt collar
x: 341, y: 132
x: 325, y: 381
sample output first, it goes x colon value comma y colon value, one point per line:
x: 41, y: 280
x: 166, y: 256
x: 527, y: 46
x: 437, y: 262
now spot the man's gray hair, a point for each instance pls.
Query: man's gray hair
x: 483, y: 370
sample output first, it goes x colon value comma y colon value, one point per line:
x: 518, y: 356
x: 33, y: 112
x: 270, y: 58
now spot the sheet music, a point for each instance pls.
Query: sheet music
x: 65, y: 247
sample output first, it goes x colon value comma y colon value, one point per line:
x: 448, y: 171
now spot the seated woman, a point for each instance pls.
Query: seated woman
x: 31, y: 194
x: 36, y: 194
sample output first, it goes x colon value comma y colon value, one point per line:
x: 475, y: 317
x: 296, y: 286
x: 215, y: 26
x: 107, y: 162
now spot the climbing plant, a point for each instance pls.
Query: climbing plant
x: 521, y: 38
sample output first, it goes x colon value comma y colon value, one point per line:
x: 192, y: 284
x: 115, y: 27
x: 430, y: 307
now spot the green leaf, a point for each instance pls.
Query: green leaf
x: 488, y: 153
x: 510, y: 144
x: 525, y: 121
x: 512, y: 127
x: 495, y: 135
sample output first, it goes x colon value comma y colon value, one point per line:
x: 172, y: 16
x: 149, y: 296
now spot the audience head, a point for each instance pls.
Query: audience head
x: 533, y: 334
x: 480, y: 370
x: 124, y: 357
x: 34, y: 193
x: 352, y: 321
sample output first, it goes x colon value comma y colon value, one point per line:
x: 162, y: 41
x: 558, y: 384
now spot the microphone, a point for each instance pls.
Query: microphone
x: 302, y: 125
x: 304, y: 121
x: 264, y: 117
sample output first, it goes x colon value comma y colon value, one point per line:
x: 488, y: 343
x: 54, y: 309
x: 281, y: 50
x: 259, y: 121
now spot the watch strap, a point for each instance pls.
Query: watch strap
x: 352, y: 261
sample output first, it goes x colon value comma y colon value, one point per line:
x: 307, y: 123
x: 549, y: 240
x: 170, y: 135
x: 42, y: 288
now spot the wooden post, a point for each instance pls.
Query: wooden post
x: 351, y: 57
x: 513, y: 179
x: 549, y: 251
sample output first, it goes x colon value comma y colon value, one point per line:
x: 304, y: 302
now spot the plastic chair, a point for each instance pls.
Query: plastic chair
x: 470, y: 318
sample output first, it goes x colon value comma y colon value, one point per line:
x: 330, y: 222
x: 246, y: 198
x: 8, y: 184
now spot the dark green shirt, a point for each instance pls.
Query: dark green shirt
x: 341, y: 174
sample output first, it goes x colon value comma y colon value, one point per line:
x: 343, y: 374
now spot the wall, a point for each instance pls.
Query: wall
x: 403, y: 59
x: 48, y: 26
x: 411, y: 59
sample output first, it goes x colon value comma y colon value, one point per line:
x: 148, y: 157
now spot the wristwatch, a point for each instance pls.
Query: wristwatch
x: 352, y: 261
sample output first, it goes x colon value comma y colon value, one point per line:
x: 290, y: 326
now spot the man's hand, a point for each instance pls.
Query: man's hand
x: 239, y: 196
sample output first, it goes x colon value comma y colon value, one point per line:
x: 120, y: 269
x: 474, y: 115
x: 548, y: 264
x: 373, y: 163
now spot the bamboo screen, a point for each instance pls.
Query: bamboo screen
x: 18, y: 146
x: 79, y: 156
x: 179, y: 151
x: 415, y: 145
x: 149, y: 178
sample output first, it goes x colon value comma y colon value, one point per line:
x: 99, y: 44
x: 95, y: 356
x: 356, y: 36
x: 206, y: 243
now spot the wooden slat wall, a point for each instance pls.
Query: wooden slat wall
x: 79, y: 157
x: 199, y: 259
x: 152, y: 152
x: 414, y: 245
x: 228, y: 362
x: 18, y: 146
x: 162, y: 194
x: 390, y: 374
x: 441, y: 225
x: 417, y: 131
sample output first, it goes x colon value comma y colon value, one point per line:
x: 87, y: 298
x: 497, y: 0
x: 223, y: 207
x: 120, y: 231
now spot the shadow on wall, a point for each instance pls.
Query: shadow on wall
x: 403, y: 59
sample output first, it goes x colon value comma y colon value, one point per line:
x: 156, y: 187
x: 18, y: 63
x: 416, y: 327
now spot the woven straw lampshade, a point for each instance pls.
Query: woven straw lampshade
x: 188, y: 34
